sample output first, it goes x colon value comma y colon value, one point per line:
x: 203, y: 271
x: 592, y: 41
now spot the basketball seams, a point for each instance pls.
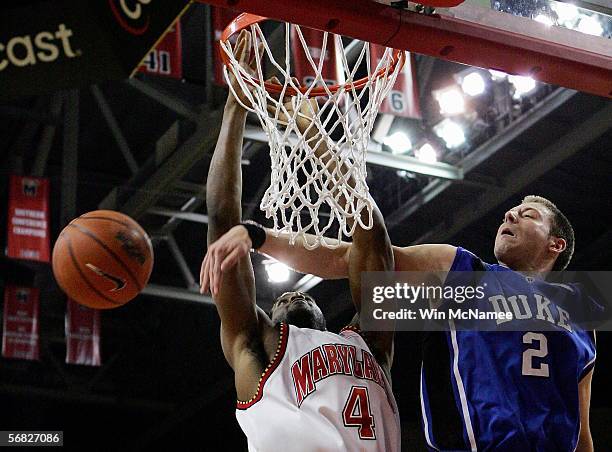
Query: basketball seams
x: 132, y: 227
x: 84, y: 278
x: 109, y: 251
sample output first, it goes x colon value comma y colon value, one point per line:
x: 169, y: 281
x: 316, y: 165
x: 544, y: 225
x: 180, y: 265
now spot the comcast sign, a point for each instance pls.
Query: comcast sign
x: 44, y: 47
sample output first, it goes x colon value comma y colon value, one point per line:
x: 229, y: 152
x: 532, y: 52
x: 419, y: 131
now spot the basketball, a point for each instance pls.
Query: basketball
x: 102, y: 259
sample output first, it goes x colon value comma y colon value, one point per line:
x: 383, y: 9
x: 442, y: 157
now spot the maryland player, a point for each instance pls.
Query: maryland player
x: 300, y: 387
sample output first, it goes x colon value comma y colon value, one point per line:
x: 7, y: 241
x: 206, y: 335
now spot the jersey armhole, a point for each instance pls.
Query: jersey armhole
x: 283, y: 337
x: 587, y: 369
x: 356, y: 329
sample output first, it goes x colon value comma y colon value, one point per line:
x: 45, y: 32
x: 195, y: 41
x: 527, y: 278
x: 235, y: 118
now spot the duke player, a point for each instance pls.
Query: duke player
x: 300, y: 387
x: 503, y: 391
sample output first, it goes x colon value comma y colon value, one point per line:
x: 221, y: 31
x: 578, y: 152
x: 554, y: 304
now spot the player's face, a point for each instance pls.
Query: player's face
x: 299, y: 309
x: 523, y: 239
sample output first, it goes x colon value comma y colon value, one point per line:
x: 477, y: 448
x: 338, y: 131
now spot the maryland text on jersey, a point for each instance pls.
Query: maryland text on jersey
x: 329, y: 360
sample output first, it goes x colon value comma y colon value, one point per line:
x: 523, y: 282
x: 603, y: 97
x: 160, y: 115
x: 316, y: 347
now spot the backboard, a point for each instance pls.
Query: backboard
x: 554, y: 42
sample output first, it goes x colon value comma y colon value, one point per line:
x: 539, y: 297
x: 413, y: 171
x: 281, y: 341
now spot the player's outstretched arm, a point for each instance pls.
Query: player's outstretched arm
x: 585, y: 441
x: 235, y: 294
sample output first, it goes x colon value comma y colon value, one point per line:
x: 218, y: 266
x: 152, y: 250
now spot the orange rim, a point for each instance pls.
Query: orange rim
x: 245, y: 20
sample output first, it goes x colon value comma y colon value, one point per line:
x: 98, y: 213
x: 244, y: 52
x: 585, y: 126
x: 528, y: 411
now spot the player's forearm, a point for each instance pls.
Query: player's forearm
x: 585, y: 444
x: 374, y: 244
x: 323, y: 262
x: 224, y: 184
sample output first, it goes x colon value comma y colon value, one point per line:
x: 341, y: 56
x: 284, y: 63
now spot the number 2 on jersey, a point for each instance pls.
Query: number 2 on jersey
x: 357, y: 412
x: 530, y: 353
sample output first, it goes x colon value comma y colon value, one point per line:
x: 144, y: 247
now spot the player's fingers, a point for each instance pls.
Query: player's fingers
x: 216, y: 272
x: 241, y: 46
x: 253, y: 64
x: 246, y: 49
x: 211, y: 274
x: 231, y: 259
x: 204, y: 280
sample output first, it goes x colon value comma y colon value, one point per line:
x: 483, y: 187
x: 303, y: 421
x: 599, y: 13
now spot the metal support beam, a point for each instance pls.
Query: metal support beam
x: 183, y: 215
x: 46, y: 138
x: 176, y: 165
x: 166, y: 99
x: 580, y: 136
x: 176, y: 293
x: 182, y: 263
x: 483, y: 152
x: 70, y: 157
x: 113, y: 125
x: 306, y: 283
x: 511, y: 132
x: 376, y: 157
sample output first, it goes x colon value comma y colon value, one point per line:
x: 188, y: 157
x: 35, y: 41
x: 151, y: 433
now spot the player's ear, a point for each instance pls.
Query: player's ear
x: 557, y: 244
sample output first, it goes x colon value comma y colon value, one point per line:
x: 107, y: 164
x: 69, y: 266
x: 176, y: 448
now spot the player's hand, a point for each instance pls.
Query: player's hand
x: 307, y: 110
x: 221, y: 256
x: 243, y: 51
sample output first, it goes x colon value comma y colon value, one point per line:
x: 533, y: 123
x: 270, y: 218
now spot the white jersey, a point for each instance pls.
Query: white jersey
x: 321, y: 392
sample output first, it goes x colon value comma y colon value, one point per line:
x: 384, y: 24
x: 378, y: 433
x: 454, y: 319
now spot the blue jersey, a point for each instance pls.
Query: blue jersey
x: 508, y: 390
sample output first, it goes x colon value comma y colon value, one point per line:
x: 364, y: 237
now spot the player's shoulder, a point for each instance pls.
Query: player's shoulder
x: 426, y: 257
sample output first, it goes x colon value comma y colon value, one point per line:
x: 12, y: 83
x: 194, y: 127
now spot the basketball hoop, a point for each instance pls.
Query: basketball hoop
x: 300, y: 181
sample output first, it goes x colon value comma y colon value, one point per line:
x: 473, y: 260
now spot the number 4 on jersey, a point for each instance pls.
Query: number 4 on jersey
x: 357, y: 412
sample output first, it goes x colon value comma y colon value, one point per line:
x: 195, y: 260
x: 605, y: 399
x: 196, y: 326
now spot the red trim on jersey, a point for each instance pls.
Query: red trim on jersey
x: 358, y: 331
x: 278, y: 357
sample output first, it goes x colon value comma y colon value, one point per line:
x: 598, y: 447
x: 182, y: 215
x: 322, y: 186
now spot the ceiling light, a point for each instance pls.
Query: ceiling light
x: 522, y: 85
x: 451, y: 132
x: 590, y: 26
x: 473, y: 84
x: 398, y: 142
x: 426, y: 154
x: 544, y: 19
x: 497, y: 75
x: 566, y: 12
x: 451, y: 101
x: 277, y: 272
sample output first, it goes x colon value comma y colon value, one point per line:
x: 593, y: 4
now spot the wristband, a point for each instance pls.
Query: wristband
x: 256, y: 232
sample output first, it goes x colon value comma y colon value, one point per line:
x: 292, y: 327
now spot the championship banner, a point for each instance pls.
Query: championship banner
x: 57, y: 44
x: 166, y: 59
x: 303, y: 69
x: 403, y: 99
x: 221, y: 17
x: 28, y: 219
x: 82, y: 334
x: 20, y: 323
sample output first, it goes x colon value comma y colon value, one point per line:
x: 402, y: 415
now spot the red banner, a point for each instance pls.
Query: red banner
x: 28, y: 219
x: 403, y: 99
x: 221, y: 18
x: 82, y: 334
x: 303, y: 69
x: 20, y: 323
x: 166, y: 59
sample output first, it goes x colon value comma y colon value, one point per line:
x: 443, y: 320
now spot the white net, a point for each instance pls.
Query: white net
x: 318, y: 176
